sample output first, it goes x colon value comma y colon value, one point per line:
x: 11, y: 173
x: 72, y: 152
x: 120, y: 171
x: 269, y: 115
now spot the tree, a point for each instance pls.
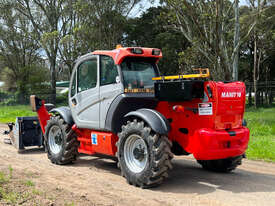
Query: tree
x: 94, y: 25
x: 102, y: 24
x: 236, y: 40
x: 19, y: 51
x: 261, y: 13
x: 153, y: 29
x: 49, y: 21
x: 208, y: 26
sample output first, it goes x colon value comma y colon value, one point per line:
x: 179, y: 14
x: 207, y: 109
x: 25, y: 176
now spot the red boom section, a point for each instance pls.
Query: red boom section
x: 210, y: 128
x: 43, y: 116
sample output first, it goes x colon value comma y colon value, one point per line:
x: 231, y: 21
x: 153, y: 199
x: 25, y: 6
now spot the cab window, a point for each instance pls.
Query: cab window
x: 87, y: 75
x: 108, y: 70
x: 138, y: 73
x: 73, y: 87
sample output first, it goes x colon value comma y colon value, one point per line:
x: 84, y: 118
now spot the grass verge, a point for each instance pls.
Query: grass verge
x: 9, y: 113
x: 261, y: 123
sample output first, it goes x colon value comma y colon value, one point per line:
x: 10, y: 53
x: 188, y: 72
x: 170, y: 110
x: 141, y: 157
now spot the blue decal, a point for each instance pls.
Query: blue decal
x: 94, y: 138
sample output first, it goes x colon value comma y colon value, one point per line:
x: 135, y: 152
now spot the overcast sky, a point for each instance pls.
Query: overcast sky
x: 146, y: 4
x: 243, y: 2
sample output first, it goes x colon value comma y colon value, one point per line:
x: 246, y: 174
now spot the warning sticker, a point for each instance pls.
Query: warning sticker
x: 205, y: 109
x: 94, y: 138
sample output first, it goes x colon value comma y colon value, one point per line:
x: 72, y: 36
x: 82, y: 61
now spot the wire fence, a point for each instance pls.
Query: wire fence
x: 265, y: 92
x: 7, y: 99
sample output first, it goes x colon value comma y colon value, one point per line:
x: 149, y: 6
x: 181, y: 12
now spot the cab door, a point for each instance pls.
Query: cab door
x: 84, y: 93
x: 110, y: 86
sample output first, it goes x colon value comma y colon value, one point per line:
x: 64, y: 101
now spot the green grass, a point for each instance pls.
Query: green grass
x: 261, y: 123
x: 29, y: 183
x: 69, y: 204
x: 9, y: 196
x: 9, y: 113
x: 3, y: 178
x: 15, y: 191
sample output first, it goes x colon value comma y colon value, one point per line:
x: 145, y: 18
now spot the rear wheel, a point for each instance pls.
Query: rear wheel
x: 221, y: 165
x: 60, y: 141
x: 144, y: 156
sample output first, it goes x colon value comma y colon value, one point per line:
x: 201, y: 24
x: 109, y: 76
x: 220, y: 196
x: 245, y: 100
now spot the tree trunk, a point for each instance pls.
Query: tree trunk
x: 270, y: 97
x: 250, y: 95
x: 53, y: 81
x: 266, y: 86
x: 236, y: 41
x: 255, y: 72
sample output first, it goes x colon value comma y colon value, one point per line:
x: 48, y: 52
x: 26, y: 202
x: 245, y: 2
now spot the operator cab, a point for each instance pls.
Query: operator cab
x: 101, y: 81
x: 137, y: 73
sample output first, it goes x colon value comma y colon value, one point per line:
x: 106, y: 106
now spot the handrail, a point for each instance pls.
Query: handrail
x: 204, y: 73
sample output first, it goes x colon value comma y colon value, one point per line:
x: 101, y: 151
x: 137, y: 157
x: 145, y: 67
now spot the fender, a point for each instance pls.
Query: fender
x: 153, y: 118
x: 65, y: 113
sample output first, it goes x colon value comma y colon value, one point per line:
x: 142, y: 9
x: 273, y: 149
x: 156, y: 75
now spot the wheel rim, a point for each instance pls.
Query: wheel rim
x: 135, y: 153
x: 55, y: 139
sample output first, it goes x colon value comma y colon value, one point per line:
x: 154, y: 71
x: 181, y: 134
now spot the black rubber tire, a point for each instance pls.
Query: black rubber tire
x: 69, y: 144
x: 159, y: 155
x: 221, y: 165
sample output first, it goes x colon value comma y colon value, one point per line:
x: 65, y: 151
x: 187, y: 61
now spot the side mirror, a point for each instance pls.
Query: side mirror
x: 117, y: 79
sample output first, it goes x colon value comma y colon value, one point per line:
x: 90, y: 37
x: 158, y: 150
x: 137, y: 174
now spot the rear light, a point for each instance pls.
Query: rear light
x: 156, y: 52
x: 136, y: 50
x: 178, y: 108
x: 119, y: 46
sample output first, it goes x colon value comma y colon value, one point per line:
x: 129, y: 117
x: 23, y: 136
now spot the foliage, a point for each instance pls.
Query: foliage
x: 62, y: 99
x: 190, y: 34
x: 153, y: 29
x: 22, y: 66
x: 33, y: 80
x: 207, y: 25
x: 4, y: 95
x: 257, y: 52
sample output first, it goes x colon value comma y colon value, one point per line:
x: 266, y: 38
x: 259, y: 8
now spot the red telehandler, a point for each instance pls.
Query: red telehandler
x: 120, y: 106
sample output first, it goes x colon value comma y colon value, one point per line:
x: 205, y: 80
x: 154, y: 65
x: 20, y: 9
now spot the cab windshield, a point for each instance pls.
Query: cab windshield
x: 138, y: 73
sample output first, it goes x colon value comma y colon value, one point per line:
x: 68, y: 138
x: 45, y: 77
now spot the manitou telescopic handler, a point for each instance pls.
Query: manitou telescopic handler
x: 120, y: 106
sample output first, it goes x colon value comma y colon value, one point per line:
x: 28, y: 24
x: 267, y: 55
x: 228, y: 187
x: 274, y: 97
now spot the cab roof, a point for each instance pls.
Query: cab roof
x: 120, y: 53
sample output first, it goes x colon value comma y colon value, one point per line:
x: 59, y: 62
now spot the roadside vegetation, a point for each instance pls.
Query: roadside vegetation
x: 13, y: 191
x: 9, y: 113
x: 19, y: 188
x: 261, y: 123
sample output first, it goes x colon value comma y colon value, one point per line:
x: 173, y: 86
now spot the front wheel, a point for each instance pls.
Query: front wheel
x: 144, y: 156
x: 60, y: 141
x: 221, y: 165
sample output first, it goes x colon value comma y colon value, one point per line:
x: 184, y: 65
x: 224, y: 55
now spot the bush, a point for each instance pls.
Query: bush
x: 9, y: 102
x: 4, y: 95
x: 7, y: 98
x: 62, y: 99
